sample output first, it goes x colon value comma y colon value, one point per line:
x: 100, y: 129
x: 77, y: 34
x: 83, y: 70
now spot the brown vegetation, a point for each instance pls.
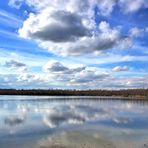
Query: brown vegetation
x: 138, y: 93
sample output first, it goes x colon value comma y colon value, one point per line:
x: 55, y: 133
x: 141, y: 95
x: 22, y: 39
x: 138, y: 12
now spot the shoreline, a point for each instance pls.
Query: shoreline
x: 125, y: 94
x: 77, y: 97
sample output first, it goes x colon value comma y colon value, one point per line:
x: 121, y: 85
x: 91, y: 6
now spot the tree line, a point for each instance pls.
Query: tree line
x: 60, y: 92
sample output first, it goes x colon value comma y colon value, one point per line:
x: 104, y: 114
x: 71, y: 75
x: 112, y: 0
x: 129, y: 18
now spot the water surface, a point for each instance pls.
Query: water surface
x: 47, y: 122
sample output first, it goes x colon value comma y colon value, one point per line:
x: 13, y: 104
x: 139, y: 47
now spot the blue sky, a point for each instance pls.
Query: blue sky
x: 72, y: 44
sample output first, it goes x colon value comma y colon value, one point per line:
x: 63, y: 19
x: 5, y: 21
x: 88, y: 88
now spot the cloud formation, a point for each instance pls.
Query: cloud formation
x: 79, y: 114
x: 62, y: 26
x: 57, y: 67
x: 89, y: 76
x: 16, y: 65
x: 57, y: 38
x: 79, y: 74
x: 136, y: 32
x: 105, y: 7
x: 120, y: 68
x: 72, y: 81
x: 129, y: 6
x: 15, y: 3
x: 71, y: 29
x: 14, y: 120
x: 90, y: 32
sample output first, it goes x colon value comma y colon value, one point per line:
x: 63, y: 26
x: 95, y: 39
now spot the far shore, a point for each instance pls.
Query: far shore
x: 125, y: 94
x: 132, y: 98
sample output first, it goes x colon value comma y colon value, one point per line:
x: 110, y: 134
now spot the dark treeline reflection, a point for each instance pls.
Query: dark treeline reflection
x: 60, y: 92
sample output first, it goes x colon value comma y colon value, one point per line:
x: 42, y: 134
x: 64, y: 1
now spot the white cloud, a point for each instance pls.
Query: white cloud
x: 105, y: 7
x: 85, y: 79
x: 78, y: 39
x: 136, y: 32
x: 15, y: 3
x: 25, y: 77
x: 61, y: 74
x: 54, y: 66
x: 120, y: 68
x: 121, y: 120
x: 60, y: 26
x: 71, y: 29
x: 57, y: 67
x: 16, y: 65
x: 130, y: 6
x: 87, y: 76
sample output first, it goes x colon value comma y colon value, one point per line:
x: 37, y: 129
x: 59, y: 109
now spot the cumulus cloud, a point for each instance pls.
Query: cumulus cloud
x: 87, y: 76
x: 120, y: 68
x: 71, y: 29
x: 16, y: 65
x: 95, y: 80
x: 136, y: 32
x: 61, y: 26
x: 129, y: 6
x: 77, y: 75
x: 54, y: 66
x: 66, y: 75
x: 58, y: 75
x: 105, y: 7
x: 57, y: 39
x: 57, y: 67
x: 25, y: 77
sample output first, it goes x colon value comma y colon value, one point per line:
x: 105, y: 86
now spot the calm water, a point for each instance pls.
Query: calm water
x: 35, y: 122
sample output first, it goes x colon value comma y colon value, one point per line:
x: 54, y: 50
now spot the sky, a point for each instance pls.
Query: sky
x: 74, y: 44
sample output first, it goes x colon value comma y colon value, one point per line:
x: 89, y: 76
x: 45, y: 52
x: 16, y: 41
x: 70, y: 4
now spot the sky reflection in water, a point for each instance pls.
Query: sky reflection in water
x: 28, y: 122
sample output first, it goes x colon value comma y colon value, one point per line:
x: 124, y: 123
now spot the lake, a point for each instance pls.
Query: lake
x: 72, y: 122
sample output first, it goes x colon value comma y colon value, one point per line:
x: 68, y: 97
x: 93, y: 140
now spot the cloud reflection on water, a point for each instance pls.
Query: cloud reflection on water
x: 45, y: 118
x: 79, y: 114
x: 56, y: 114
x: 14, y: 120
